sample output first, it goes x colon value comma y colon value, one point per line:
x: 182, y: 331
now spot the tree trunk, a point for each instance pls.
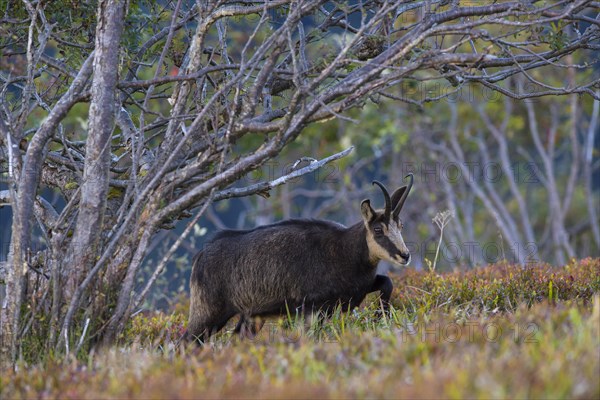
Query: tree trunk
x: 84, y: 246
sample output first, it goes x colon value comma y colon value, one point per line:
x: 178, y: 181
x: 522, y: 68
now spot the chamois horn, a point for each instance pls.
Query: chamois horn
x: 388, y: 202
x: 404, y: 196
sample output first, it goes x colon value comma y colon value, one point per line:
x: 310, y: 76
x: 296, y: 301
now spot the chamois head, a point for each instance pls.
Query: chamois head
x: 384, y: 227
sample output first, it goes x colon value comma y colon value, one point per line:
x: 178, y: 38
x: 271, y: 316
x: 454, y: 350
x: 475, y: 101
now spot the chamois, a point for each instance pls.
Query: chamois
x: 296, y: 264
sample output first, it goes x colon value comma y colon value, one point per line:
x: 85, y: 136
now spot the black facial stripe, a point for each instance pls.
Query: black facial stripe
x: 388, y: 246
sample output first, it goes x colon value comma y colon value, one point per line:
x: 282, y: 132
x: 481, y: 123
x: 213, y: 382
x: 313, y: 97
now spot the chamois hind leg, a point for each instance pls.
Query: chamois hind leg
x: 383, y: 284
x: 206, y: 317
x: 209, y: 312
x: 201, y: 328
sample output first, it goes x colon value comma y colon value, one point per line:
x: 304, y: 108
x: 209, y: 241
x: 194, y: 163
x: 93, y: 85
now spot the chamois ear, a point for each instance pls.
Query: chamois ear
x: 396, y: 196
x: 367, y: 212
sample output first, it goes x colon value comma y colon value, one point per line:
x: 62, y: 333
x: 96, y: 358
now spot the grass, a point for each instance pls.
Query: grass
x: 497, y: 332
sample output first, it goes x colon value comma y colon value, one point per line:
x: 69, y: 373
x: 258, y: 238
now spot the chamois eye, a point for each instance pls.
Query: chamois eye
x: 378, y: 230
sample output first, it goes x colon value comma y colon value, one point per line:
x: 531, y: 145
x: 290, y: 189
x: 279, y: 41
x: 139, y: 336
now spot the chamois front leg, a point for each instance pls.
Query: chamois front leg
x: 248, y: 327
x: 384, y: 285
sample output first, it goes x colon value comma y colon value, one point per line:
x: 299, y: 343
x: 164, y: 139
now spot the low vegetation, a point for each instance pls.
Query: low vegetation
x: 502, y: 331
